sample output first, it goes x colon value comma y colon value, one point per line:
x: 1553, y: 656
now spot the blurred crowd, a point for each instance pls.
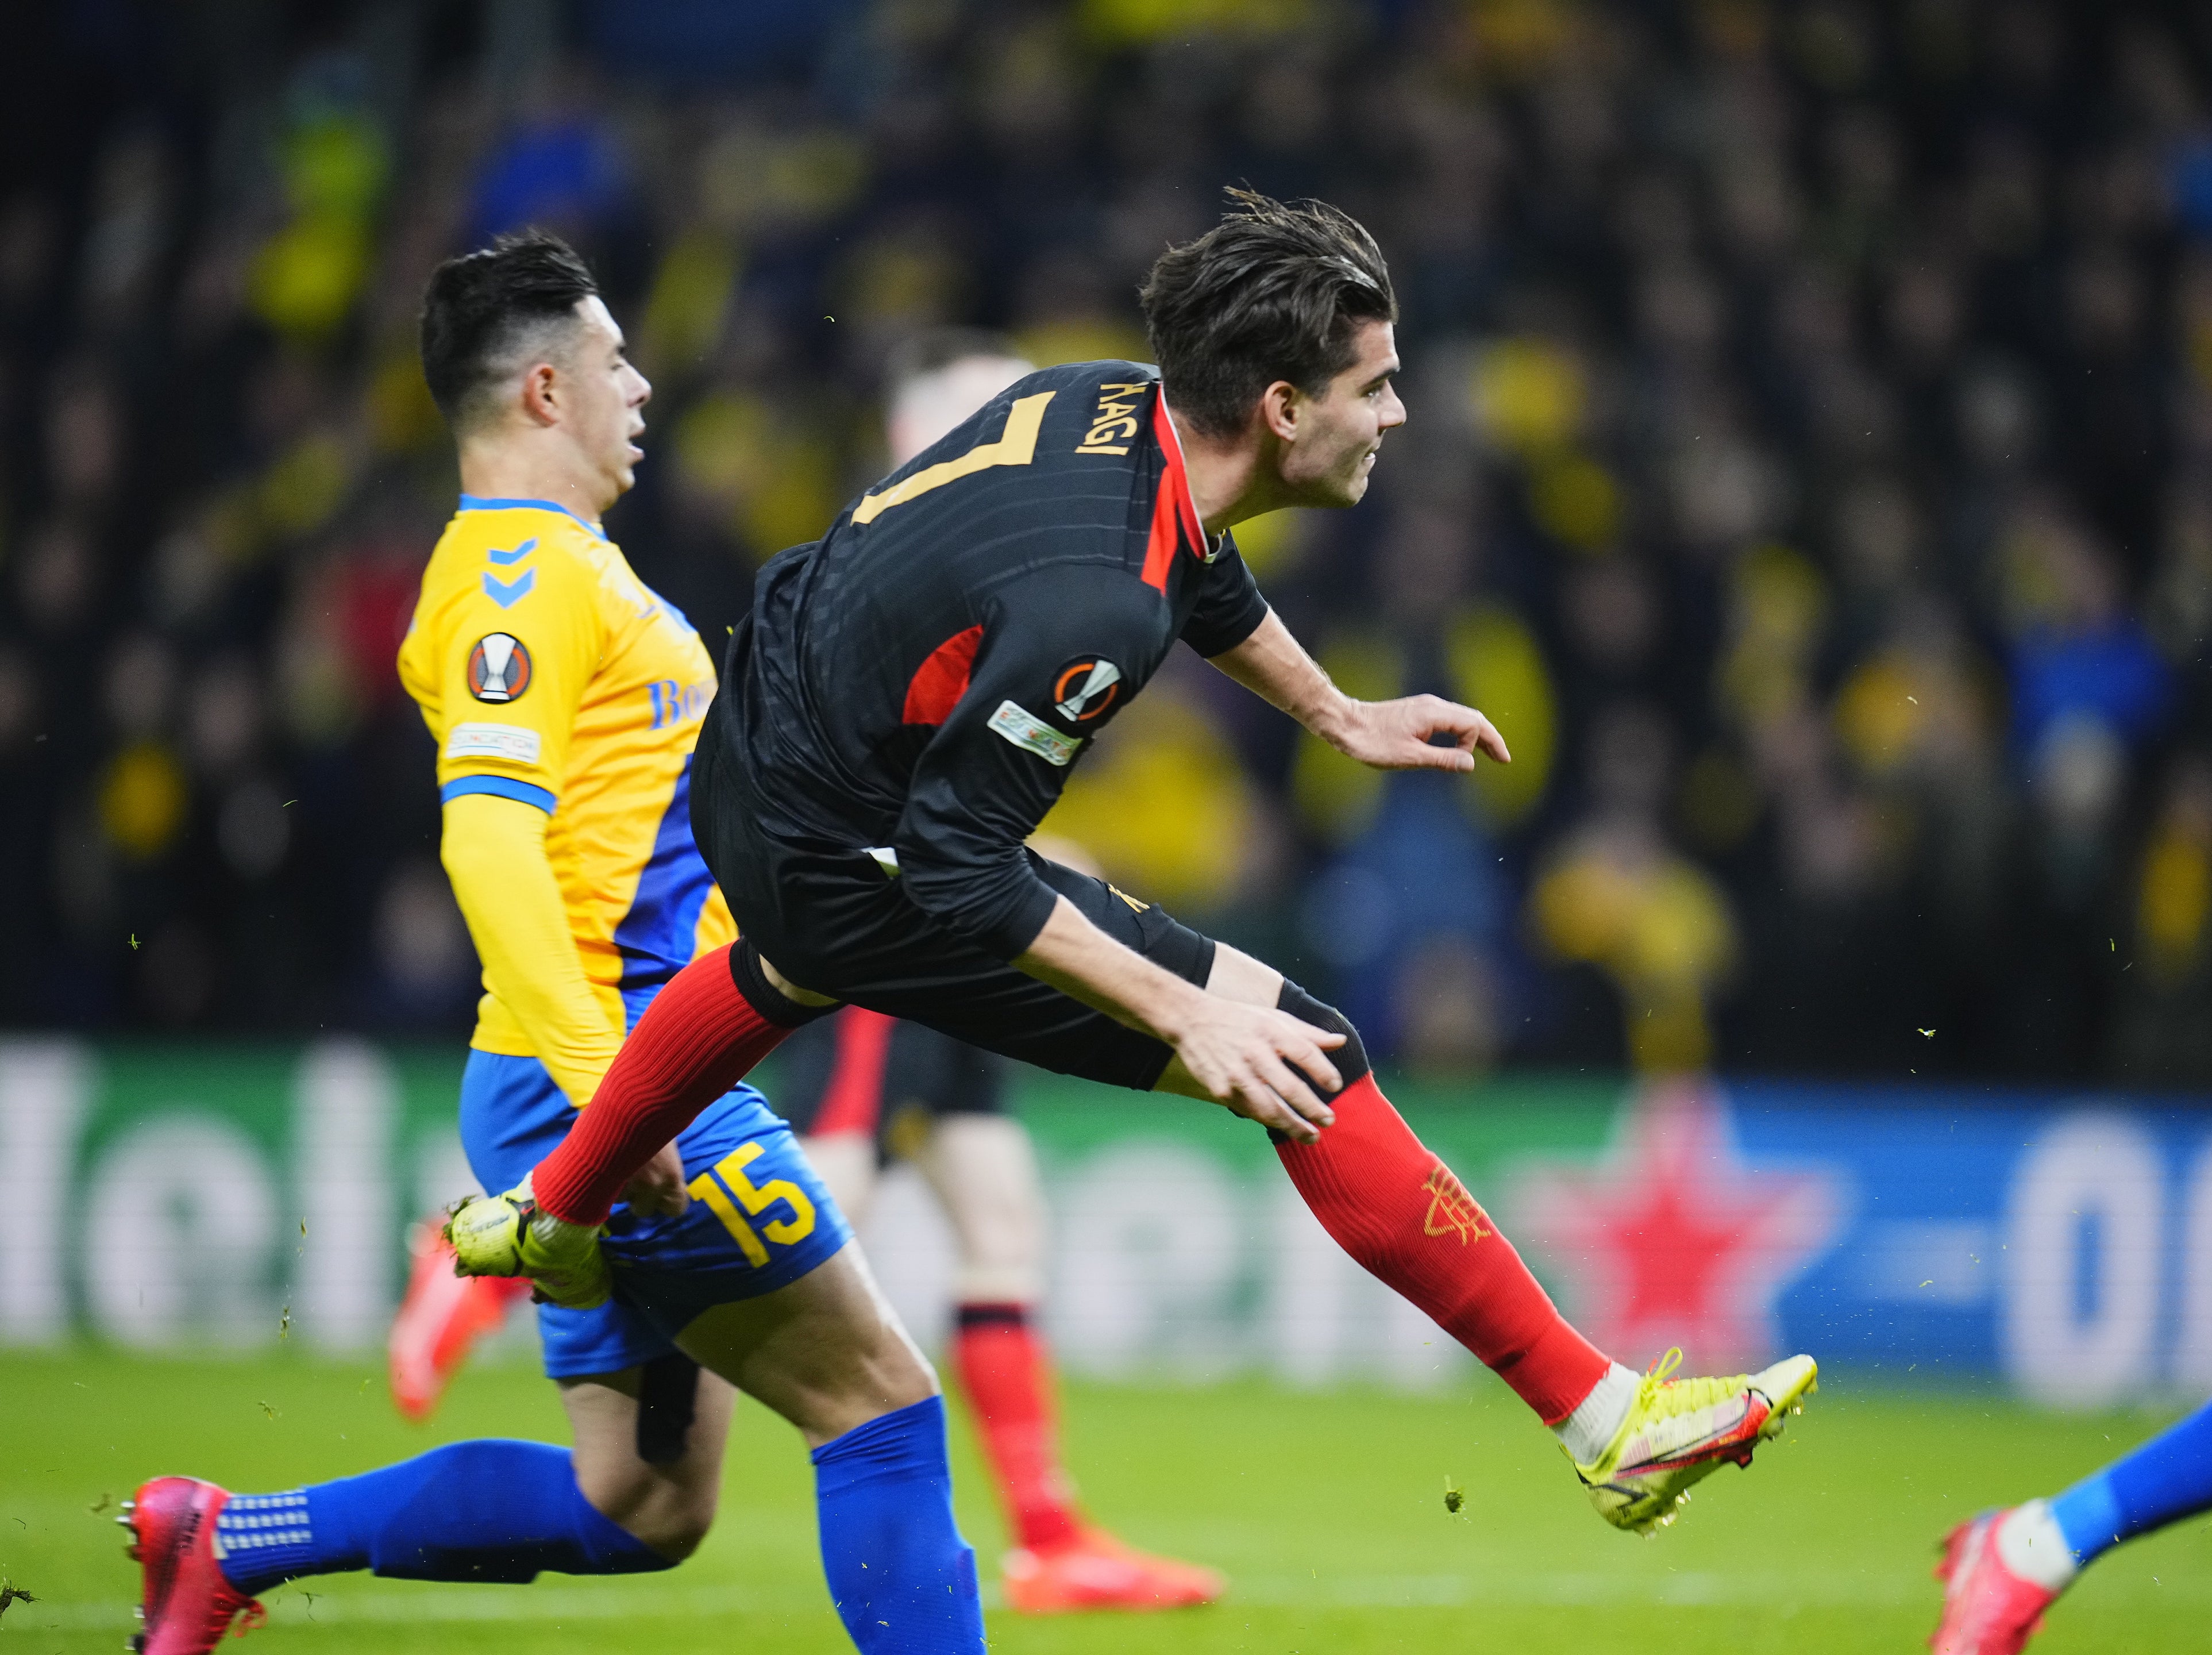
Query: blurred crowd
x: 1809, y: 468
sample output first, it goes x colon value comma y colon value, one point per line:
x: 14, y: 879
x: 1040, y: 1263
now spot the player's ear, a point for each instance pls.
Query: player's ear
x: 1279, y: 411
x: 540, y: 398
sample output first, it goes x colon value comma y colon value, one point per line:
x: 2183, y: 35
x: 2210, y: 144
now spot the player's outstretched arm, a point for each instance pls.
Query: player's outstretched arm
x: 1390, y: 736
x: 1252, y: 1059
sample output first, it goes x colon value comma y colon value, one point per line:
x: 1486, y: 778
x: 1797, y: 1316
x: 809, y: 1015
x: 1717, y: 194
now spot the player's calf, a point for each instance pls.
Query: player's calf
x: 827, y: 1353
x: 1392, y: 1205
x: 488, y: 1510
x: 1390, y: 1202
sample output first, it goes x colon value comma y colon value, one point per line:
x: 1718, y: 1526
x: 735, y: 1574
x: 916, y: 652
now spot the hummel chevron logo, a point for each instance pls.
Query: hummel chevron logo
x: 507, y: 594
x: 503, y: 558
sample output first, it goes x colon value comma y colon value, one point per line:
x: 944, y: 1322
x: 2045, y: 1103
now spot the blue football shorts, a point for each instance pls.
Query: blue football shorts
x: 759, y: 1217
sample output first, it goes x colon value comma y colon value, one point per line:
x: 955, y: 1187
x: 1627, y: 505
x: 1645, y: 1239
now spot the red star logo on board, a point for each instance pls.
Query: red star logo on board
x: 1673, y: 1238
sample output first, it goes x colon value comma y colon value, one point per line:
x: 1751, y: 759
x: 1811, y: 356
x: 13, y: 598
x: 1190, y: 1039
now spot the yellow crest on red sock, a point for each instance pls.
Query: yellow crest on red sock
x: 1452, y: 1211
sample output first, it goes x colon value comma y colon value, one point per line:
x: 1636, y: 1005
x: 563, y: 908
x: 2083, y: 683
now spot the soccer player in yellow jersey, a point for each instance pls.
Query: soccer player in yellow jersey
x: 565, y: 697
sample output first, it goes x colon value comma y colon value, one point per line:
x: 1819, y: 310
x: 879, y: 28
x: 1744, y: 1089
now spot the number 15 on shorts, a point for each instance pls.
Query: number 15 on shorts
x: 728, y: 1178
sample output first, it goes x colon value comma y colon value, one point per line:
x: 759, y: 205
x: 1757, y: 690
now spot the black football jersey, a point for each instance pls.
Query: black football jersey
x: 919, y: 684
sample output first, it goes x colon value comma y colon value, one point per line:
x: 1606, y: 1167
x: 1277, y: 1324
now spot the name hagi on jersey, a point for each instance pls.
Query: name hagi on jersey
x: 918, y: 684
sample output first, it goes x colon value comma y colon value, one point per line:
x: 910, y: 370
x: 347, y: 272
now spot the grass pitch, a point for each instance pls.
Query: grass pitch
x: 1326, y: 1509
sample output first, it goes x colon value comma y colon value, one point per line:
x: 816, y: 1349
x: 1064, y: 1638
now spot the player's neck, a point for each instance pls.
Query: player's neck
x: 500, y: 469
x: 1230, y: 478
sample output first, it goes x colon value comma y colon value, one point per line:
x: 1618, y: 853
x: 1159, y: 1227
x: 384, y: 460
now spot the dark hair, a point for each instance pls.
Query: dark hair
x: 935, y: 348
x: 485, y: 308
x: 1272, y: 292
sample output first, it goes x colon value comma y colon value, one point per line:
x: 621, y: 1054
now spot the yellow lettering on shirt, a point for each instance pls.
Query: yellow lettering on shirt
x: 1115, y: 423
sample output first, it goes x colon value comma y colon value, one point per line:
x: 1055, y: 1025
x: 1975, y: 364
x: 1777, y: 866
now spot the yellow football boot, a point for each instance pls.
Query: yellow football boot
x: 1680, y: 1432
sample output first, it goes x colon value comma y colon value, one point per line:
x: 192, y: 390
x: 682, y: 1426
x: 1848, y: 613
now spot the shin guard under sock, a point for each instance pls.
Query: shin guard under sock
x: 488, y: 1510
x: 698, y: 1038
x: 1397, y: 1209
x: 1003, y: 1368
x: 902, y: 1579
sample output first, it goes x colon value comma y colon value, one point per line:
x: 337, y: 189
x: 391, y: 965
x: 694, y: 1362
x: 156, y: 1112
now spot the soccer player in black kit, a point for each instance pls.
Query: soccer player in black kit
x: 904, y: 704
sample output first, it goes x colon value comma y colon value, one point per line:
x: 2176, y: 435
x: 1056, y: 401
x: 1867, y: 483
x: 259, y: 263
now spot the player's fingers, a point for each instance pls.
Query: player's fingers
x: 1259, y: 1102
x: 1302, y: 1046
x: 1244, y: 1095
x: 1470, y: 731
x: 1295, y: 1090
x: 1424, y: 755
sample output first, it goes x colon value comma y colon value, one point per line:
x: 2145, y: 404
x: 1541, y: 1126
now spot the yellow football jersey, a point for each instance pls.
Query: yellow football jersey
x: 549, y: 673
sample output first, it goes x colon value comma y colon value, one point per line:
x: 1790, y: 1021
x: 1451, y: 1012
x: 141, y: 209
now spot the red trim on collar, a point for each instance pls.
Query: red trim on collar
x: 1173, y: 509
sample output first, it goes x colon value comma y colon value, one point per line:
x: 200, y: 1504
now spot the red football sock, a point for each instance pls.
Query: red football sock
x: 697, y: 1039
x: 1392, y: 1205
x: 1003, y: 1368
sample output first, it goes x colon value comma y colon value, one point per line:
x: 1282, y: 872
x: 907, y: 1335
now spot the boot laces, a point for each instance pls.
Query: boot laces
x: 1661, y: 1391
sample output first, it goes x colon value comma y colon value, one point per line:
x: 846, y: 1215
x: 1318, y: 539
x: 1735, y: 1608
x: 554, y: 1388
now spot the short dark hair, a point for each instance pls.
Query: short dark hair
x: 1272, y: 292
x: 935, y: 348
x: 485, y: 308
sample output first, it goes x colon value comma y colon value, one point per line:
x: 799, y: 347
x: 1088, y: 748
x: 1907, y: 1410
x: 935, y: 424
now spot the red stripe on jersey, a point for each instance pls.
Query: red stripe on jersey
x: 853, y: 1100
x: 939, y: 682
x: 1174, y: 509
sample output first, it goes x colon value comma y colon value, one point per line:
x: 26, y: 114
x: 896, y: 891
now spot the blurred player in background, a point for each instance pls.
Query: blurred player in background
x: 901, y: 708
x: 565, y: 697
x: 862, y: 1089
x: 2002, y: 1569
x: 441, y: 1317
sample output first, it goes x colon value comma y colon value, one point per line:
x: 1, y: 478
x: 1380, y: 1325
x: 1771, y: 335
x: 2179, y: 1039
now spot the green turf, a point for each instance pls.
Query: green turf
x: 1326, y: 1509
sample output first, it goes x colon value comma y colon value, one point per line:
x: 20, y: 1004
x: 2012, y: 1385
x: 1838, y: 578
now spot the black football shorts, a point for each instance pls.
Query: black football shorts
x: 834, y: 922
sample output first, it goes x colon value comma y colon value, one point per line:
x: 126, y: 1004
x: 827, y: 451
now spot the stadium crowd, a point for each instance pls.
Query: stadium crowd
x: 1810, y: 470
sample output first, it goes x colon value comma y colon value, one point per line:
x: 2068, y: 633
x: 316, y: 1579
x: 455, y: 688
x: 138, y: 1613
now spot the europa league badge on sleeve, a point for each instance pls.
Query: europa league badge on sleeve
x: 499, y: 668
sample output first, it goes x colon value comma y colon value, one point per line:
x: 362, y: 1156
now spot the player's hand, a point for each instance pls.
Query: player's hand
x: 1254, y: 1060
x: 657, y: 1188
x: 1394, y: 735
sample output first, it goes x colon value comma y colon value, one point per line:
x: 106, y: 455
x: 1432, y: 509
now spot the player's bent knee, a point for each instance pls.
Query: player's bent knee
x: 677, y: 1531
x: 670, y: 1518
x: 1351, y: 1057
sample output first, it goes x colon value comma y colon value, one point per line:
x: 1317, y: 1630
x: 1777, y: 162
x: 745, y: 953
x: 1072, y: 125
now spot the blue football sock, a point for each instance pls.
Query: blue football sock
x: 902, y: 1576
x: 488, y: 1510
x: 2167, y: 1478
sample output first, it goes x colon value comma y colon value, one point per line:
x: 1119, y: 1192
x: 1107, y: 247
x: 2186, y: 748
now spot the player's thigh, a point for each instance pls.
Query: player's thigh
x: 668, y: 1501
x: 760, y: 1218
x: 1237, y: 976
x: 826, y: 1351
x: 983, y: 1170
x: 1234, y: 976
x: 923, y: 971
